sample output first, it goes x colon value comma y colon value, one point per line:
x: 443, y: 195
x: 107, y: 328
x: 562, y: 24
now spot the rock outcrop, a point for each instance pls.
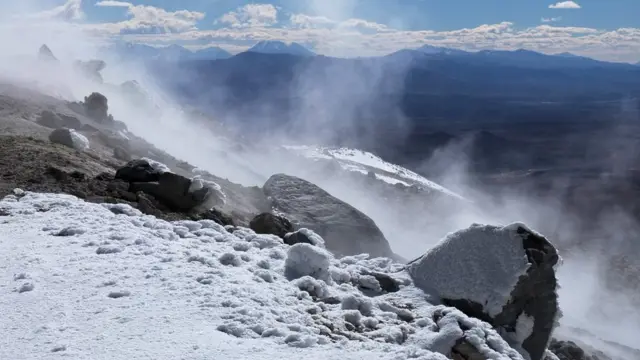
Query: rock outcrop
x: 502, y: 275
x: 96, y: 106
x: 346, y: 230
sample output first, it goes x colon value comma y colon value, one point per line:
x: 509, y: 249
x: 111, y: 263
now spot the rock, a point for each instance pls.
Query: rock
x: 568, y: 350
x: 46, y: 55
x: 55, y: 121
x: 502, y: 275
x: 387, y: 283
x: 215, y: 215
x: 138, y: 170
x: 345, y: 230
x: 297, y: 238
x: 172, y: 190
x: 70, y: 138
x: 267, y: 223
x: 96, y: 106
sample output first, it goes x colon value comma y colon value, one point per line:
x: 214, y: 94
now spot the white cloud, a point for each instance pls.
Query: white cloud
x: 69, y: 11
x: 551, y: 19
x: 150, y: 19
x: 355, y: 37
x: 565, y: 5
x: 251, y: 15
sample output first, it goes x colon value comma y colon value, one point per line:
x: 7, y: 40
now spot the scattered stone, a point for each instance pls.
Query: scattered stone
x: 26, y: 287
x: 102, y: 250
x: 119, y: 294
x: 59, y: 348
x: 268, y: 223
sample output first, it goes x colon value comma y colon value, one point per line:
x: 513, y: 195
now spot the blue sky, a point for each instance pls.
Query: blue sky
x: 606, y: 29
x: 418, y: 14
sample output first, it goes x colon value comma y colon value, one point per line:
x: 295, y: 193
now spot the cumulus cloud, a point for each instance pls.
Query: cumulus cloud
x: 565, y: 5
x: 69, y: 11
x: 353, y: 37
x: 149, y: 19
x: 251, y: 15
x: 551, y: 19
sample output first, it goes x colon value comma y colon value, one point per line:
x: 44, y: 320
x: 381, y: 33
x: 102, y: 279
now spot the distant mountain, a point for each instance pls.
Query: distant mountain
x: 429, y: 49
x: 172, y: 53
x: 280, y: 47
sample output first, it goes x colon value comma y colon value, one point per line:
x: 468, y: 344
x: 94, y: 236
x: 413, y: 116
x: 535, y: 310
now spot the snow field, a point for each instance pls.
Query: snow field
x: 89, y: 281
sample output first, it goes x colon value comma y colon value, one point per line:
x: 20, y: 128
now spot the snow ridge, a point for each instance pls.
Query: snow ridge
x: 83, y: 280
x: 363, y: 162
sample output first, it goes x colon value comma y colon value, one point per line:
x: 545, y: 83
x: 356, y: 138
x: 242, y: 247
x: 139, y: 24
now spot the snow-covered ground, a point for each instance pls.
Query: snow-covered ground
x: 363, y: 162
x: 88, y: 281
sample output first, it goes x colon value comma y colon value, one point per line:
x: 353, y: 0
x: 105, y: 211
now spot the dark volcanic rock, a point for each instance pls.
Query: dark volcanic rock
x: 297, y: 237
x: 502, y: 275
x: 96, y: 106
x: 215, y: 215
x: 568, y: 350
x: 138, y: 170
x: 346, y: 230
x: 172, y: 190
x: 55, y: 121
x: 267, y: 223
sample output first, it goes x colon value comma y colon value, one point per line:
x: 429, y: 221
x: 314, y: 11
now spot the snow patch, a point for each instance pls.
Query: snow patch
x: 457, y: 267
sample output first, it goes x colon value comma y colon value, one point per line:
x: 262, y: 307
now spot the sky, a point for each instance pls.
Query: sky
x: 607, y: 30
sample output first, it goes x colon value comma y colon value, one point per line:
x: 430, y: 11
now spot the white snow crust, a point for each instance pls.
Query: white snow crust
x: 80, y: 141
x: 362, y: 161
x: 103, y: 281
x: 481, y: 263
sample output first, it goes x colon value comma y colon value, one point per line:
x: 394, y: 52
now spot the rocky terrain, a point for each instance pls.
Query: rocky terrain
x: 484, y: 292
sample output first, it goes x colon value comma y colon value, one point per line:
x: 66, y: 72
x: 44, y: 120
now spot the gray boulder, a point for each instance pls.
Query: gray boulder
x: 55, y: 121
x: 502, y: 275
x: 267, y: 223
x: 69, y: 138
x: 345, y: 230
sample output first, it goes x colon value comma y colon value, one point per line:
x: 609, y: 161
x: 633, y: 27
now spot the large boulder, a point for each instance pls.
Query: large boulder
x: 139, y: 170
x: 502, y: 275
x: 346, y: 230
x: 69, y: 138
